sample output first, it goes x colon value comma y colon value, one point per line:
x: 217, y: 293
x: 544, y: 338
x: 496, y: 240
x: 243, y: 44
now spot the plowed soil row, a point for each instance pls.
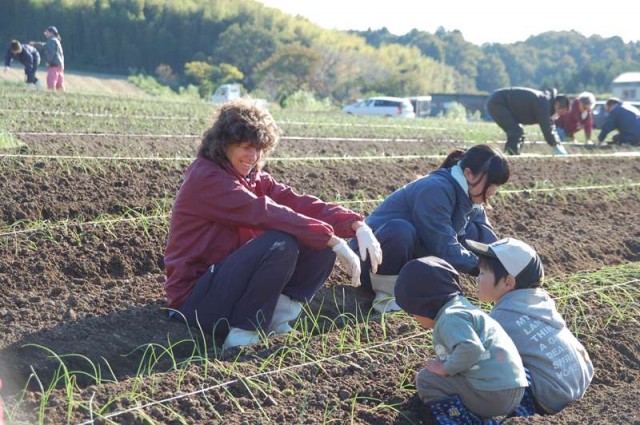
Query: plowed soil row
x: 289, y: 146
x: 70, y: 189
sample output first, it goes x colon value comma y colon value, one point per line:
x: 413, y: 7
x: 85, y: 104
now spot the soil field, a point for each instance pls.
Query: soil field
x: 150, y: 145
x: 81, y: 276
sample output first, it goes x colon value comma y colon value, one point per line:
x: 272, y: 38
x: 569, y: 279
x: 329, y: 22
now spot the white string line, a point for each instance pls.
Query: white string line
x: 102, y: 115
x: 75, y: 134
x: 301, y: 365
x: 621, y: 155
x: 254, y: 376
x: 339, y: 202
x: 364, y: 125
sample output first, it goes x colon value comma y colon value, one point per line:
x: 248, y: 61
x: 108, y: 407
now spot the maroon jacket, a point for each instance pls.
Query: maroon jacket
x: 572, y: 121
x: 217, y: 210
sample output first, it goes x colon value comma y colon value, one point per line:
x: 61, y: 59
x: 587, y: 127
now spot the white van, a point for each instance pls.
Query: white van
x: 382, y: 106
x: 225, y: 93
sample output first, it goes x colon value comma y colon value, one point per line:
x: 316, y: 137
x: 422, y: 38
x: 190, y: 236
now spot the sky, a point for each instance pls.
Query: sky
x: 487, y: 21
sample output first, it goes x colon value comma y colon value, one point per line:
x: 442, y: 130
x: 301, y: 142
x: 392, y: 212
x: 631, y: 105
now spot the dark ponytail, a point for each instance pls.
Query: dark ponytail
x: 482, y: 160
x: 453, y: 158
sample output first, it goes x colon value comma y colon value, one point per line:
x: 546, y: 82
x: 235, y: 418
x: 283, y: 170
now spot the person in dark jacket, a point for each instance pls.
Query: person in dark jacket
x: 28, y: 57
x: 434, y: 215
x: 622, y: 117
x: 578, y: 118
x: 54, y: 56
x: 511, y: 107
x: 244, y: 251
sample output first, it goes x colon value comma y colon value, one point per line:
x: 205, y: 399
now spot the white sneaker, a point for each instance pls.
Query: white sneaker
x: 286, y: 310
x: 385, y: 303
x: 384, y: 286
x: 560, y: 150
x: 240, y: 337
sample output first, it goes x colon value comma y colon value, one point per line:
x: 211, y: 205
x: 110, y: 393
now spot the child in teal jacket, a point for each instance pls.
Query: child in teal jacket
x: 475, y: 358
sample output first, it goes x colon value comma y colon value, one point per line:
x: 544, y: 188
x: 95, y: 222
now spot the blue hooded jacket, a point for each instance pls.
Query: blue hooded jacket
x: 443, y: 215
x: 29, y: 57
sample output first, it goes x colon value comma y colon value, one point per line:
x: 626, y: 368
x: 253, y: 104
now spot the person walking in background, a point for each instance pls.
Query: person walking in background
x: 578, y: 118
x: 511, y: 276
x: 622, y: 117
x: 244, y: 251
x: 54, y: 55
x: 477, y: 369
x: 28, y: 57
x: 511, y: 107
x: 433, y: 215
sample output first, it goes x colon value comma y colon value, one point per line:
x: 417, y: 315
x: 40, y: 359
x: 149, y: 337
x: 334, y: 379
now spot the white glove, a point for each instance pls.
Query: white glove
x: 349, y: 259
x: 6, y: 68
x: 367, y: 243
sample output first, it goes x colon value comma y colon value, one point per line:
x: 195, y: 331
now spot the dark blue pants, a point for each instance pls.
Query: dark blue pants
x: 243, y: 289
x: 400, y: 244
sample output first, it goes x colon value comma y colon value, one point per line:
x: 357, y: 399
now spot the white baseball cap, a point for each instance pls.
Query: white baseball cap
x: 519, y: 259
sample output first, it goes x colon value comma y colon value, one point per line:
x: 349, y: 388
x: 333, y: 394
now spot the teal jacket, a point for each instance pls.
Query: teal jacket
x: 473, y: 345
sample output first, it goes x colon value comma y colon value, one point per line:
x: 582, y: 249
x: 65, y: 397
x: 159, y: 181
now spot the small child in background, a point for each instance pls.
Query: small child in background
x: 477, y: 363
x: 54, y: 56
x: 511, y: 276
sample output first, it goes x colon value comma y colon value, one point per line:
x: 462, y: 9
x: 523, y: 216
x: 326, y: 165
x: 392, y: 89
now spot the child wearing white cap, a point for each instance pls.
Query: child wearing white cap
x: 511, y: 276
x: 478, y: 371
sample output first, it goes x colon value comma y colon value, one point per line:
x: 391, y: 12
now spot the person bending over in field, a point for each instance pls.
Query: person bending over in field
x: 559, y: 367
x: 477, y: 370
x: 513, y: 106
x: 622, y: 117
x: 434, y: 215
x: 28, y: 56
x: 244, y: 251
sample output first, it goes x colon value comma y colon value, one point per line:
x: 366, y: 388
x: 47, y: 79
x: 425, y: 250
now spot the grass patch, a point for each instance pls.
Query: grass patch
x: 8, y: 141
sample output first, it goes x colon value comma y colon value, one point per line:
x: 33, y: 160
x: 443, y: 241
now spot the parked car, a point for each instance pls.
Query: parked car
x: 600, y: 114
x: 383, y: 106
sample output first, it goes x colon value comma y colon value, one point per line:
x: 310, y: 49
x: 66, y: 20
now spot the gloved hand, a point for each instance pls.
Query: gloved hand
x: 367, y: 243
x: 349, y: 259
x: 6, y: 68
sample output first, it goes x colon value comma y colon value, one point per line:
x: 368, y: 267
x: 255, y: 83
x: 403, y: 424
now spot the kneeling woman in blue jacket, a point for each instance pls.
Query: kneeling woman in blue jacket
x: 244, y: 251
x: 433, y: 216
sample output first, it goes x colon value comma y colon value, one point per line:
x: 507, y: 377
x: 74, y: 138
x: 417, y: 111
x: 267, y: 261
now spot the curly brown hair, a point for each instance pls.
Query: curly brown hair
x: 235, y: 122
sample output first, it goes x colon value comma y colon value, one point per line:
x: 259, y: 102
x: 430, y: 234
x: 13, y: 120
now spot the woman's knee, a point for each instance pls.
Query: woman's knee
x: 281, y: 242
x: 397, y: 230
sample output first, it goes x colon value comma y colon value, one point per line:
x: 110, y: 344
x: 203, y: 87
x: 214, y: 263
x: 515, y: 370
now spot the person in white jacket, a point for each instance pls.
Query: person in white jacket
x: 511, y: 276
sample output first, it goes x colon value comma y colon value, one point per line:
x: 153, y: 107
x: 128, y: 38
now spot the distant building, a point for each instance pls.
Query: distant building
x: 626, y: 86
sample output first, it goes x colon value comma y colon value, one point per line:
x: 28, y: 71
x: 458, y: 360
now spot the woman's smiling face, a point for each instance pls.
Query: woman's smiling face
x: 243, y: 157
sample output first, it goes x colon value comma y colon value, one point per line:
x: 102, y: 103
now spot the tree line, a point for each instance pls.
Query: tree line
x: 209, y: 42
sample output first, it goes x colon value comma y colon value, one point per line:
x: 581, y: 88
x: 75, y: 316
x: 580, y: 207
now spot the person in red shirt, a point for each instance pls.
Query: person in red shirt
x: 245, y: 251
x: 578, y: 118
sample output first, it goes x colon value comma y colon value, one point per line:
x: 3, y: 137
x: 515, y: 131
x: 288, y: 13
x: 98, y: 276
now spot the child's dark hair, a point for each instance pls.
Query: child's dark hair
x: 496, y: 267
x: 562, y: 100
x: 499, y: 272
x: 15, y: 46
x: 482, y: 160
